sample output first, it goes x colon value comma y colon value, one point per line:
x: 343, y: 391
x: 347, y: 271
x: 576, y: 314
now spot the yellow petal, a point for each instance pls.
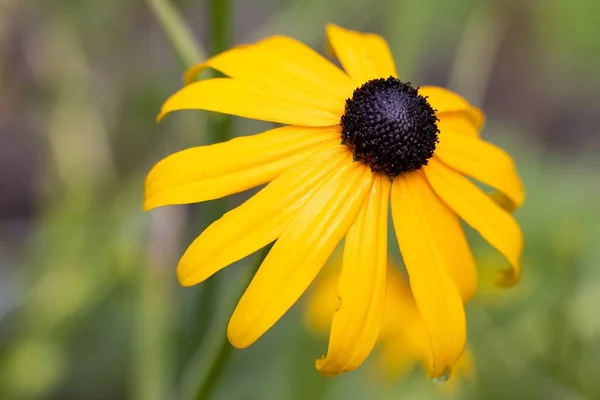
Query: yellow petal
x: 260, y: 220
x: 361, y: 286
x: 364, y: 56
x: 446, y: 101
x: 458, y: 122
x: 450, y: 242
x: 437, y: 297
x: 254, y: 100
x: 404, y: 339
x: 300, y: 252
x: 399, y: 301
x: 210, y: 172
x: 284, y: 62
x: 392, y: 362
x: 464, y: 370
x: 322, y: 300
x: 496, y: 225
x: 483, y: 161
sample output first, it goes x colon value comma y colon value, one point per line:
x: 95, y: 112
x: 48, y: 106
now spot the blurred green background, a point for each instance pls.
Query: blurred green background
x: 89, y: 303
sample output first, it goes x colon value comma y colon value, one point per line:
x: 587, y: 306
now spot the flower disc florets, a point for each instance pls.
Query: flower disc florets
x: 390, y: 127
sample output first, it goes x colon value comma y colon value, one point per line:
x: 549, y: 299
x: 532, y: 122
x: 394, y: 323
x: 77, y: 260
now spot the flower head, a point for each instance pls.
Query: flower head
x: 351, y: 141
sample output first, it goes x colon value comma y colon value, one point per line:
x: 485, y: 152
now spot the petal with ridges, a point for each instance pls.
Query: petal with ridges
x: 436, y: 295
x: 451, y: 243
x: 492, y: 222
x: 364, y: 56
x: 258, y: 221
x: 300, y: 252
x: 210, y: 172
x: 361, y: 285
x: 459, y: 122
x: 483, y: 161
x: 255, y: 100
x: 282, y: 61
x: 446, y: 101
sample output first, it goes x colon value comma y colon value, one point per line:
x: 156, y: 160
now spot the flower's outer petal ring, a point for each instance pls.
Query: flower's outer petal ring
x: 361, y: 286
x: 483, y: 161
x: 285, y: 62
x: 250, y: 99
x: 300, y: 252
x: 492, y: 222
x: 436, y: 295
x: 258, y: 221
x: 446, y: 101
x: 210, y: 172
x: 364, y: 56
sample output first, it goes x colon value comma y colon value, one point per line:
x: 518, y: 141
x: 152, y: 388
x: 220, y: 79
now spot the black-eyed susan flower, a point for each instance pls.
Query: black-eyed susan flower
x: 403, y: 339
x: 351, y: 141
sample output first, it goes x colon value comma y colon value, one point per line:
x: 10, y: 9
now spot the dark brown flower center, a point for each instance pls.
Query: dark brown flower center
x: 390, y: 127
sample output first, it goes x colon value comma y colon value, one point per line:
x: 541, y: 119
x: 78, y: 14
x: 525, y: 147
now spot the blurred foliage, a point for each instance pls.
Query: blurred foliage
x: 89, y: 305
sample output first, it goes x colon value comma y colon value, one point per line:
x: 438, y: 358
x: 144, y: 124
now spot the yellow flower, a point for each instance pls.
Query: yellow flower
x: 351, y: 141
x: 403, y: 339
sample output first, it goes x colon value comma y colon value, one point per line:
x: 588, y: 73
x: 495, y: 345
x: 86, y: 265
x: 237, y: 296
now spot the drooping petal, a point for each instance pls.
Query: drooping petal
x: 258, y: 221
x: 361, y: 285
x: 495, y: 224
x: 284, y: 62
x: 450, y: 242
x: 483, y: 161
x: 364, y: 56
x: 436, y: 294
x: 210, y: 172
x: 446, y: 101
x: 255, y: 100
x: 298, y: 255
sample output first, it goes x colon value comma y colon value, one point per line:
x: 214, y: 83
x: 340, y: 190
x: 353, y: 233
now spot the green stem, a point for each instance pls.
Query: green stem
x: 177, y: 30
x: 477, y: 51
x: 405, y: 26
x: 219, y: 29
x: 220, y: 40
x: 209, y: 361
x: 211, y: 357
x: 218, y: 366
x: 219, y: 127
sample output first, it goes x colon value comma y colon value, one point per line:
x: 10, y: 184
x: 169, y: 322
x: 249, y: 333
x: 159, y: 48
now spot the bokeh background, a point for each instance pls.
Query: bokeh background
x: 89, y: 303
